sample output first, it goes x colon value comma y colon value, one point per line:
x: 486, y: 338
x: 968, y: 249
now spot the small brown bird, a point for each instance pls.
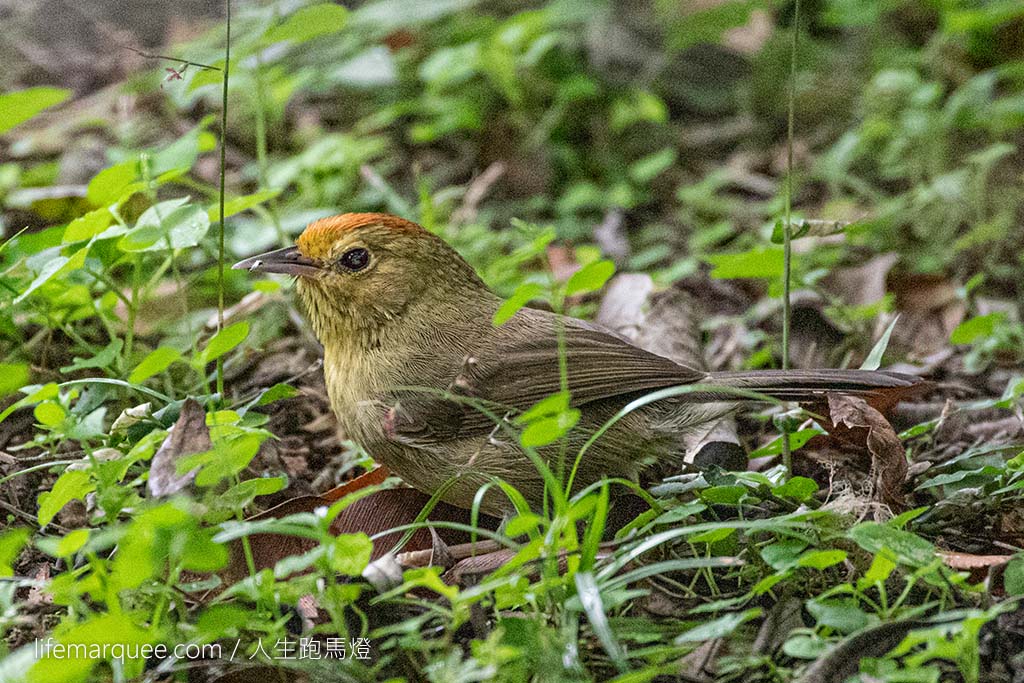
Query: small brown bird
x: 406, y: 326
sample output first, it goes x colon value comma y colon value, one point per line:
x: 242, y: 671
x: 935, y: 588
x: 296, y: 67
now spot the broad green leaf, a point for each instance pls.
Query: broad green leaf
x: 103, y: 359
x: 844, y: 616
x: 908, y: 548
x: 546, y: 407
x: 724, y: 495
x: 13, y: 376
x: 977, y: 327
x: 590, y: 278
x: 72, y: 485
x: 549, y: 429
x: 11, y: 543
x: 59, y: 265
x: 72, y: 542
x: 821, y: 559
x: 88, y: 226
x: 171, y: 224
x: 350, y: 553
x: 759, y: 262
x: 874, y: 359
x: 111, y: 183
x: 43, y: 393
x: 308, y: 23
x: 21, y: 105
x: 1013, y: 577
x: 222, y: 342
x: 242, y: 494
x: 154, y: 363
x: 800, y: 488
x: 522, y: 296
x: 276, y: 393
x: 783, y: 555
x: 797, y: 440
x: 240, y: 204
x: 49, y: 414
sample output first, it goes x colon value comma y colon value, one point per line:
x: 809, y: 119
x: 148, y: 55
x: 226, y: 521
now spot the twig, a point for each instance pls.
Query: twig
x: 186, y: 62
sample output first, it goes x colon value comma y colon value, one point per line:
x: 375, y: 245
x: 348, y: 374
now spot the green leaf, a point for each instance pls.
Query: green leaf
x: 43, y: 393
x: 1013, y: 576
x: 844, y: 616
x: 308, y: 23
x: 154, y: 363
x: 110, y: 184
x: 88, y: 226
x: 13, y: 376
x: 799, y: 488
x: 590, y: 278
x: 783, y: 555
x: 821, y: 559
x: 240, y: 204
x: 21, y: 105
x: 651, y: 166
x: 797, y: 440
x: 549, y: 429
x: 276, y: 393
x: 522, y: 296
x: 908, y: 548
x: 712, y: 536
x: 546, y: 407
x: 718, y: 628
x: 593, y: 606
x: 103, y: 359
x: 759, y: 262
x: 72, y: 542
x: 874, y: 359
x: 171, y: 224
x: 49, y: 414
x: 72, y: 485
x: 350, y: 553
x: 57, y: 266
x: 977, y: 327
x: 222, y: 342
x: 11, y: 543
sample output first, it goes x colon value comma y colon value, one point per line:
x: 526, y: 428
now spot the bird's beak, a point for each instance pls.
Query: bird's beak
x: 288, y: 261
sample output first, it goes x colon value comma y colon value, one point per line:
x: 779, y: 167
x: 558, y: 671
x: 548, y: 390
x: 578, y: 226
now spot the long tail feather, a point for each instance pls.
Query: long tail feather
x: 806, y: 385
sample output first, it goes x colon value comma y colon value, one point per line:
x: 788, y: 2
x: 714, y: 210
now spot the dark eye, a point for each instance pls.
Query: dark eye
x: 355, y: 259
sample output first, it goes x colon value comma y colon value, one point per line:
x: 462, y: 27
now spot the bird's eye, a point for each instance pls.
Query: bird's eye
x: 355, y: 259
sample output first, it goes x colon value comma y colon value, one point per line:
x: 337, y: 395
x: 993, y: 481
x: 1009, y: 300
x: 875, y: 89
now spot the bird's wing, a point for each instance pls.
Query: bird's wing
x: 520, y: 366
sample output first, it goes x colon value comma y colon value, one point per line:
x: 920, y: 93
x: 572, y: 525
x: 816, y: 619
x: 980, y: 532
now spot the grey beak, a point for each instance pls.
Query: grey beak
x: 288, y: 261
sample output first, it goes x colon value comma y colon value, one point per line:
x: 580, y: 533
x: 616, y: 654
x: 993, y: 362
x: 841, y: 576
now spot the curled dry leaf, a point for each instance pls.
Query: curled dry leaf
x: 189, y: 435
x: 888, y: 459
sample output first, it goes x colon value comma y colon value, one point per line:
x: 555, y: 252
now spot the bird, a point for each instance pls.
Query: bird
x: 420, y: 376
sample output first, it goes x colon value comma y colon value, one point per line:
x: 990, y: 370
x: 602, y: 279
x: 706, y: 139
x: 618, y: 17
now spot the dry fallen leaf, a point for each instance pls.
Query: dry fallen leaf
x: 189, y: 435
x: 888, y: 459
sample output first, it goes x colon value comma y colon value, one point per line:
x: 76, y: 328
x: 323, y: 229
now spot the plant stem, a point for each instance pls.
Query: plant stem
x: 787, y: 246
x: 223, y: 168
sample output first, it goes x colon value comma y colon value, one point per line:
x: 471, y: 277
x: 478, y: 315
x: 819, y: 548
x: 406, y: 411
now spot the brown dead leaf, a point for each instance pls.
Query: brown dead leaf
x: 863, y: 284
x: 889, y: 462
x: 189, y: 435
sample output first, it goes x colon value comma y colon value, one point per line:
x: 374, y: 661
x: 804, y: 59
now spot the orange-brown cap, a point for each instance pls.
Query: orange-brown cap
x: 316, y: 240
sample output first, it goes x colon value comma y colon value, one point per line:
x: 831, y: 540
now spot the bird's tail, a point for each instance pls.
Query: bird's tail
x: 809, y: 385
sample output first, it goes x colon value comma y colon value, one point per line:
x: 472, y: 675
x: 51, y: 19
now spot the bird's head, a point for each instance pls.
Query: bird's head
x: 359, y: 271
